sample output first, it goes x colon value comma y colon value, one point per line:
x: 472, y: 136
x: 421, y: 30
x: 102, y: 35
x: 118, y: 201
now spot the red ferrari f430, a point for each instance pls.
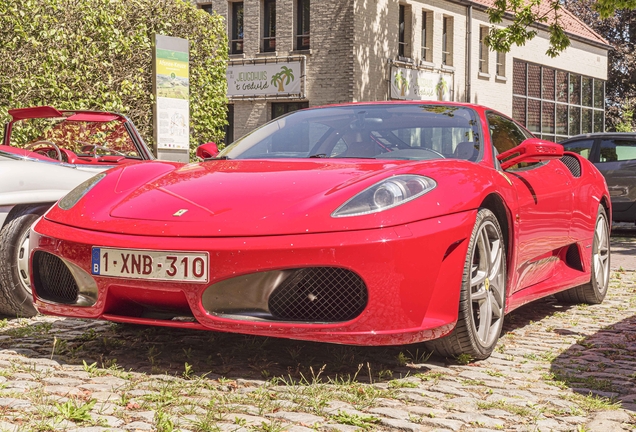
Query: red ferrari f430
x: 370, y: 223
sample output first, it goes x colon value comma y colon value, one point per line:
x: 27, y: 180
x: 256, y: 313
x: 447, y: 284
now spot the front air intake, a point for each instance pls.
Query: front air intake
x: 54, y: 281
x: 319, y: 294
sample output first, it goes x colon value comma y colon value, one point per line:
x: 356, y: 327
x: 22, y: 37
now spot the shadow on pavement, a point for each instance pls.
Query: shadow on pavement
x: 158, y: 350
x: 602, y: 364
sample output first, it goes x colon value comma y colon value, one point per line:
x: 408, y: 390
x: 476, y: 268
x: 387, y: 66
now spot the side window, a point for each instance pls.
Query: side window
x: 617, y: 150
x: 582, y: 147
x: 504, y: 133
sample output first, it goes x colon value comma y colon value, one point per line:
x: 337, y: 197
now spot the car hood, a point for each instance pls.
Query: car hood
x: 250, y: 197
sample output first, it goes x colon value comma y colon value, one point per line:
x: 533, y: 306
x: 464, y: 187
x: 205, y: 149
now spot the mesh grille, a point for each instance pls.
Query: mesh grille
x: 572, y: 164
x: 53, y: 280
x: 324, y: 294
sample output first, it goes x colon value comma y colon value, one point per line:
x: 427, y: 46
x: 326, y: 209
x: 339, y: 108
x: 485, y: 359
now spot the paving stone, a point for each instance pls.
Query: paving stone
x: 62, y: 390
x: 390, y: 412
x: 402, y: 425
x: 303, y: 418
x: 8, y: 427
x: 339, y: 428
x: 620, y: 416
x: 12, y: 403
x: 454, y: 425
x: 135, y: 426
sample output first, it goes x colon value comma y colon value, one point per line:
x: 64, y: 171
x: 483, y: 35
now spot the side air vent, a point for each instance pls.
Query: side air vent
x: 573, y: 164
x: 323, y: 294
x: 53, y: 279
x: 573, y: 257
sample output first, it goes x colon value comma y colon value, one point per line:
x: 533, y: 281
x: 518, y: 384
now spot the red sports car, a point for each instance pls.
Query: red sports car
x: 371, y: 223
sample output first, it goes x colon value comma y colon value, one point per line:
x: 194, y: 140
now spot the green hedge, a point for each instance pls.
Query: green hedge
x: 96, y: 54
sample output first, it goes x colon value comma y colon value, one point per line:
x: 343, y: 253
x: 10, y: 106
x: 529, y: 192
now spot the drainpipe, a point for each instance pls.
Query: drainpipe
x: 469, y: 44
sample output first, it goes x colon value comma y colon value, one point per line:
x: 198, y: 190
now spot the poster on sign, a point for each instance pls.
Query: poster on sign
x: 172, y: 95
x: 412, y: 84
x: 264, y: 79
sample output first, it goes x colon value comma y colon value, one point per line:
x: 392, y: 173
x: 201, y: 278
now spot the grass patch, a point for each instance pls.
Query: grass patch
x: 361, y: 421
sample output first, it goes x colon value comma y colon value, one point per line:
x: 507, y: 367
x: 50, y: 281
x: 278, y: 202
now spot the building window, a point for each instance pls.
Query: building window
x: 207, y: 8
x: 280, y: 108
x: 483, y: 50
x: 269, y: 25
x: 236, y: 42
x: 401, y: 32
x: 500, y: 66
x: 555, y: 104
x: 447, y: 41
x: 302, y: 25
x: 427, y: 29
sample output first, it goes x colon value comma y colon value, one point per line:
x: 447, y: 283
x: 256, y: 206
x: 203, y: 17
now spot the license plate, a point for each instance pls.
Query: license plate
x: 150, y: 264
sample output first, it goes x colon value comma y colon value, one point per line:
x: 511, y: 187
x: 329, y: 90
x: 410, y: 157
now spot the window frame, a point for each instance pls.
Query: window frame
x: 447, y: 40
x: 303, y: 25
x: 426, y: 50
x: 570, y: 98
x: 483, y: 50
x: 235, y: 40
x: 269, y: 28
x: 401, y: 30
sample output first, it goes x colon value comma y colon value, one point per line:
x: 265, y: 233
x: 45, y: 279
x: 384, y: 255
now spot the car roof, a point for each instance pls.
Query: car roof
x: 601, y: 135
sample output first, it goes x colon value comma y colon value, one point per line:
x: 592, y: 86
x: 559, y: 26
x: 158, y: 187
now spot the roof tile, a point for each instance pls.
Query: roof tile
x: 571, y: 24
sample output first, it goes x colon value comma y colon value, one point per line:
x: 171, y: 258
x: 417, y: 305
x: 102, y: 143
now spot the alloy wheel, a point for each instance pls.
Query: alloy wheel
x: 487, y: 284
x: 600, y: 254
x: 23, y: 262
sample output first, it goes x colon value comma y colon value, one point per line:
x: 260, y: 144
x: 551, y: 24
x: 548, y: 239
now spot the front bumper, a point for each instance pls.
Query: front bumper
x: 412, y: 275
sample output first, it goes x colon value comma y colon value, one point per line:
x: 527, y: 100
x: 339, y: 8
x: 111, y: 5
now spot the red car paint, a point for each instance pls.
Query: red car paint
x: 259, y: 215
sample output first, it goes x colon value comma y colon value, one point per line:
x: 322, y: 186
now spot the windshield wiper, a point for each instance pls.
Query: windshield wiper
x: 318, y: 155
x: 216, y: 158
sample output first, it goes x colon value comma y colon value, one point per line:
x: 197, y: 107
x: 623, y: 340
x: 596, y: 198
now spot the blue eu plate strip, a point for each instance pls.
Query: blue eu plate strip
x: 96, y: 261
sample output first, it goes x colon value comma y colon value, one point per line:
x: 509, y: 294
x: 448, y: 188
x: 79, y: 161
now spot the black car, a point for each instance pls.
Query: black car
x: 614, y: 154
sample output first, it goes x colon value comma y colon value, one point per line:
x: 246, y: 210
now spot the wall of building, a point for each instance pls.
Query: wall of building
x: 329, y: 61
x: 354, y: 42
x: 494, y: 92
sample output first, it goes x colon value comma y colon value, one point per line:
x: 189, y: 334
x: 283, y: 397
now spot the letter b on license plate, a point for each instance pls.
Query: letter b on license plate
x: 150, y: 264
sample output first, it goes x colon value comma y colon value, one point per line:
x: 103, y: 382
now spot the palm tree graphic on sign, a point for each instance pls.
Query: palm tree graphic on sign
x: 401, y: 83
x: 442, y: 88
x: 285, y: 76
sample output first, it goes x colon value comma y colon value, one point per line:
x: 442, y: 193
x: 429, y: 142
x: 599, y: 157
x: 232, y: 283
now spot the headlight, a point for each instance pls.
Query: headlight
x: 76, y: 194
x: 386, y: 194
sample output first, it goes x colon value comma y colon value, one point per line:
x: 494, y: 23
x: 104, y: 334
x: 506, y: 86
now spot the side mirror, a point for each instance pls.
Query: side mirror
x: 207, y: 150
x: 531, y: 150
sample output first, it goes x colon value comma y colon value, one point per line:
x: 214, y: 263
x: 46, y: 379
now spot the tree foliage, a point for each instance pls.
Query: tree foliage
x: 527, y: 12
x: 620, y: 31
x: 96, y: 54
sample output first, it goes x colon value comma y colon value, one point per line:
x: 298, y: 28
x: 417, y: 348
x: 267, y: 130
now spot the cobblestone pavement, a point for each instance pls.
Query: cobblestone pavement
x: 561, y: 368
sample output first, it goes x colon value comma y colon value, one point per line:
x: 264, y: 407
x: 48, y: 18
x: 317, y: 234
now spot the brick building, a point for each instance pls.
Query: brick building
x: 290, y: 54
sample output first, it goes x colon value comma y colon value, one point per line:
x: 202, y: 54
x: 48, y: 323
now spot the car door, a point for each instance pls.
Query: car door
x: 545, y: 203
x: 617, y: 163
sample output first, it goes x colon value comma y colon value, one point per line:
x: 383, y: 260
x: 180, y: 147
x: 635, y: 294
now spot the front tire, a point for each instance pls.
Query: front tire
x: 483, y: 294
x: 595, y: 290
x: 16, y: 298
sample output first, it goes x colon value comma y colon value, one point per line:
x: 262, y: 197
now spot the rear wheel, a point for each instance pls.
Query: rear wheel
x: 483, y: 294
x: 16, y: 298
x: 595, y: 290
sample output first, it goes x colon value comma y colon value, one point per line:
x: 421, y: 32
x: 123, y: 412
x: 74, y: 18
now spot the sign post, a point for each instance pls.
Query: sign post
x: 171, y: 89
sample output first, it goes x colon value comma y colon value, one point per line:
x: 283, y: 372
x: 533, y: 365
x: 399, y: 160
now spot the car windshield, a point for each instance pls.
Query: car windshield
x: 378, y: 131
x: 84, y: 138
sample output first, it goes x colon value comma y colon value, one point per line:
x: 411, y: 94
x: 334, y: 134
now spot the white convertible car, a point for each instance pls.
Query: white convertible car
x: 46, y: 153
